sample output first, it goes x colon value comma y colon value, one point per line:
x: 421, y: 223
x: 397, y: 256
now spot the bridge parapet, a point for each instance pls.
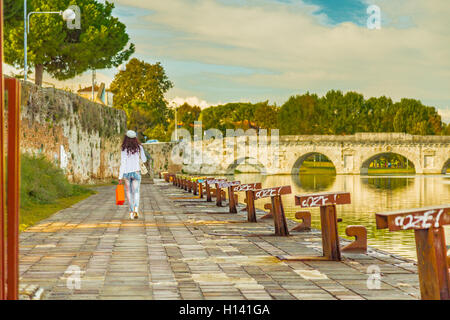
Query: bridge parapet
x: 349, y: 154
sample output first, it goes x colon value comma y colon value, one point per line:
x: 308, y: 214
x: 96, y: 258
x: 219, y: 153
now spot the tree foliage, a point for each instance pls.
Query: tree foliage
x: 64, y: 53
x: 139, y: 90
x: 335, y: 113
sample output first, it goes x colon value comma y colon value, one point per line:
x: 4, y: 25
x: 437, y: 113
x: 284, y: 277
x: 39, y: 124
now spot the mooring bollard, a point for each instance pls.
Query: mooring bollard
x: 279, y: 218
x: 432, y: 260
x: 248, y: 188
x: 231, y: 197
x: 360, y: 243
x: 328, y: 218
x: 305, y: 216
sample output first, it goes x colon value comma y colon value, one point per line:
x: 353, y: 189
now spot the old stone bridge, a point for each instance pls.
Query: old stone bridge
x: 286, y: 154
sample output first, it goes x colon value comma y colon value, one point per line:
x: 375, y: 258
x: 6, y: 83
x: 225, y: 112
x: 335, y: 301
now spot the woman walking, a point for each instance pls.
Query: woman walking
x: 130, y: 170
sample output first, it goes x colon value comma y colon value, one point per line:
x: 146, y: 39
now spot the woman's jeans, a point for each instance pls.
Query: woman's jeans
x: 132, y: 187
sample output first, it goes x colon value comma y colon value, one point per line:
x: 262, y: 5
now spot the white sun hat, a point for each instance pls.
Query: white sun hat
x: 131, y: 134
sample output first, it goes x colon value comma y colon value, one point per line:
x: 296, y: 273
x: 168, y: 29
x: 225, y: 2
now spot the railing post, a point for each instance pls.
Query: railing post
x: 13, y: 87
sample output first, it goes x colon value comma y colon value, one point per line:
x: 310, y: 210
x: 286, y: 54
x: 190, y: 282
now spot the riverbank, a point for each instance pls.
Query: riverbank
x: 187, y: 248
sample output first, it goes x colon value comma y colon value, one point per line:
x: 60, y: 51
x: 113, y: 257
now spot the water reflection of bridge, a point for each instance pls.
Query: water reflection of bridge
x: 369, y: 194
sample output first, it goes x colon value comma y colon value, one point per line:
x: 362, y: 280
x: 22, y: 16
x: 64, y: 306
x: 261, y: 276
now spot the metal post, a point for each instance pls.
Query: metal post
x: 13, y: 87
x: 2, y: 166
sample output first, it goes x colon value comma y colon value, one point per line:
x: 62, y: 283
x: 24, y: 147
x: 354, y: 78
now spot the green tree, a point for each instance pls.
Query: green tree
x: 299, y: 115
x: 11, y: 9
x: 64, y: 53
x: 187, y: 115
x: 266, y: 116
x: 139, y: 90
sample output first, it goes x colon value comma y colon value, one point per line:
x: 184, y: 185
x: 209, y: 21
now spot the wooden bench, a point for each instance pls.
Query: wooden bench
x: 248, y: 188
x: 279, y: 218
x: 231, y: 197
x: 432, y: 260
x: 208, y: 184
x: 328, y: 218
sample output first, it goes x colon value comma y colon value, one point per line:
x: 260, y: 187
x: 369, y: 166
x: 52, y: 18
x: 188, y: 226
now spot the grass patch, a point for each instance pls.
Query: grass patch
x: 32, y: 214
x: 311, y: 167
x: 391, y: 171
x: 45, y: 190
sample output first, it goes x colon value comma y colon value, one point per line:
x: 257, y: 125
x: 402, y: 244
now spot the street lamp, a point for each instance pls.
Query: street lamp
x: 67, y: 15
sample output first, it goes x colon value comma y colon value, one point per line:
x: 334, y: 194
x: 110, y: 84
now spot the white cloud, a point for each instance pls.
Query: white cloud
x: 292, y: 49
x: 445, y: 114
x: 193, y: 101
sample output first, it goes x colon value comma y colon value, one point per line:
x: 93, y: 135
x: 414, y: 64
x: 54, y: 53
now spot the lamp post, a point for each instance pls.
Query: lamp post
x: 67, y: 15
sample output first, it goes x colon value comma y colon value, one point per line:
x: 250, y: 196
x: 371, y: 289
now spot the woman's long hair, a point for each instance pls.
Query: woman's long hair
x: 131, y: 145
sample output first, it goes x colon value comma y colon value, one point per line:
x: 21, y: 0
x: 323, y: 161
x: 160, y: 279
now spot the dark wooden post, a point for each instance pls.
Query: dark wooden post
x: 200, y: 189
x: 218, y: 195
x: 13, y: 87
x: 231, y: 200
x: 330, y: 238
x: 195, y: 187
x: 251, y: 210
x: 432, y: 262
x: 208, y: 192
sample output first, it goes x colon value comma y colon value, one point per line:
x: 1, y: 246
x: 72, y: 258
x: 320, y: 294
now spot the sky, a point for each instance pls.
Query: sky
x: 218, y: 51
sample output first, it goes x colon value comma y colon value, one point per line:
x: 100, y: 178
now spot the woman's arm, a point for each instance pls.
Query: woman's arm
x: 122, y: 164
x: 143, y: 157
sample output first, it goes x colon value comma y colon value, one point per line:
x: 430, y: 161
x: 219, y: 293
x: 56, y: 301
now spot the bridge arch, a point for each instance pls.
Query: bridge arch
x: 244, y: 160
x: 299, y: 162
x: 364, y: 169
x: 446, y: 167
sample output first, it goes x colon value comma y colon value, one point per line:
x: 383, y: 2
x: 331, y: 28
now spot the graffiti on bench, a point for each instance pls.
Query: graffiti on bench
x: 247, y: 187
x: 228, y: 184
x: 322, y: 199
x: 414, y: 219
x: 272, y: 192
x: 327, y: 202
x: 214, y: 181
x: 432, y: 260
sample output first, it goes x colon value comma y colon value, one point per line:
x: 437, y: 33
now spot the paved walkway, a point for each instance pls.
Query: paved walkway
x: 177, y: 250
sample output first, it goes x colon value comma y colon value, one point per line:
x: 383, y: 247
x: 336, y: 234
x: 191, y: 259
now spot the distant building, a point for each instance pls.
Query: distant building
x: 101, y: 94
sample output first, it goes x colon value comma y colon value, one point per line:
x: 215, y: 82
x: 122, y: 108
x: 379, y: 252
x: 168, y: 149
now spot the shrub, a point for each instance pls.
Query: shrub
x: 42, y: 182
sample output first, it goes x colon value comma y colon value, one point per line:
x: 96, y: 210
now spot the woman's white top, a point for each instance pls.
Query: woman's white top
x: 130, y: 162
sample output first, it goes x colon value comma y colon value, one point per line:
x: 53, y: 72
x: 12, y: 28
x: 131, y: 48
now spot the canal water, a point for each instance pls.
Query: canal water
x: 369, y: 194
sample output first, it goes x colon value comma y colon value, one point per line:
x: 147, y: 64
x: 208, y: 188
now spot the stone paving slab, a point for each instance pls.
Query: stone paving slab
x: 190, y: 249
